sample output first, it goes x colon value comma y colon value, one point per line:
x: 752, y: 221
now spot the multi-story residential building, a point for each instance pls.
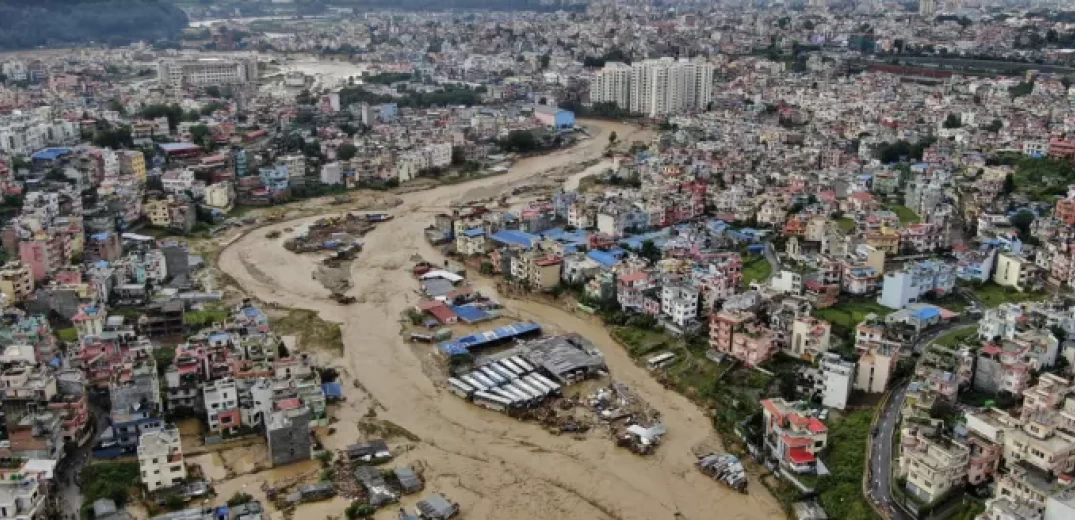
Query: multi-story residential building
x: 932, y: 465
x: 986, y: 443
x: 668, y: 86
x: 612, y: 84
x: 23, y: 492
x: 287, y: 432
x: 1014, y: 270
x: 16, y: 281
x: 876, y: 365
x: 837, y: 378
x: 679, y: 301
x: 810, y: 338
x: 735, y: 334
x: 914, y: 281
x: 221, y: 400
x: 793, y: 437
x: 135, y: 395
x: 160, y: 459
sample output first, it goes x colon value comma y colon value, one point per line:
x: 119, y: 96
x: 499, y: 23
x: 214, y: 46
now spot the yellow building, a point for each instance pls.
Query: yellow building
x: 157, y: 211
x: 1016, y: 271
x: 885, y: 239
x: 133, y: 163
x: 16, y: 281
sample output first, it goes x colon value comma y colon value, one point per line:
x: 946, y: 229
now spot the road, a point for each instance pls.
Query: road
x: 880, y: 474
x: 774, y: 260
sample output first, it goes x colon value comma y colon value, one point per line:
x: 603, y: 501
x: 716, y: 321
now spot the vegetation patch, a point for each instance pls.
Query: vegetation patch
x: 310, y: 329
x: 114, y: 480
x: 841, y: 493
x: 755, y: 269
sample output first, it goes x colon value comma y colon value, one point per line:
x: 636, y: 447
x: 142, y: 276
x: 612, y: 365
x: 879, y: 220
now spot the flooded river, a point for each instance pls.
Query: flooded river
x: 494, y: 466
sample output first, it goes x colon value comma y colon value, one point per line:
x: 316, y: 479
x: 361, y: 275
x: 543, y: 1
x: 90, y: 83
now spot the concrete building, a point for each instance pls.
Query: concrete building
x: 669, y: 86
x: 679, y: 302
x: 205, y: 72
x: 612, y: 84
x: 837, y: 377
x: 221, y: 399
x: 810, y: 338
x: 792, y: 436
x: 915, y: 281
x: 1060, y: 506
x: 1016, y: 271
x: 932, y: 466
x: 875, y: 367
x: 16, y: 281
x: 287, y: 433
x: 160, y: 459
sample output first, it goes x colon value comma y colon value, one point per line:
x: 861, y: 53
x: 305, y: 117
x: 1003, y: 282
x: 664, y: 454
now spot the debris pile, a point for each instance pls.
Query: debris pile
x: 726, y: 469
x: 336, y: 233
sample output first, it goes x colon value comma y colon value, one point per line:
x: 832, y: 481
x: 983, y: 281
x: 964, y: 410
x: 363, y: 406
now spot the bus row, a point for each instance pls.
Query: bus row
x: 519, y: 393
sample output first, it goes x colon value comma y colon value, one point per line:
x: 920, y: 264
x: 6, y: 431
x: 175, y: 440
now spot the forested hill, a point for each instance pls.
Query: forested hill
x: 54, y: 23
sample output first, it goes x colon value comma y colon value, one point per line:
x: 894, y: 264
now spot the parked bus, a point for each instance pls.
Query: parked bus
x: 523, y: 364
x: 660, y: 360
x: 492, y: 402
x: 537, y: 391
x: 533, y: 381
x: 508, y: 374
x: 510, y: 365
x: 460, y: 388
x: 547, y: 382
x: 473, y: 382
x: 491, y: 374
x: 484, y: 380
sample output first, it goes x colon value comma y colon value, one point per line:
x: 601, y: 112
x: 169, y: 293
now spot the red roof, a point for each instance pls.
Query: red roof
x: 797, y: 419
x: 771, y: 407
x: 800, y: 456
x: 634, y: 277
x: 797, y: 442
x: 288, y: 404
x: 817, y: 426
x: 862, y: 195
x: 442, y: 313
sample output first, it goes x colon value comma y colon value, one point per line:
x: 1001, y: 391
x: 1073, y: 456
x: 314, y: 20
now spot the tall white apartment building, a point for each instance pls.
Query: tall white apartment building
x: 612, y: 84
x: 669, y: 86
x: 204, y: 72
x: 927, y: 8
x: 160, y: 459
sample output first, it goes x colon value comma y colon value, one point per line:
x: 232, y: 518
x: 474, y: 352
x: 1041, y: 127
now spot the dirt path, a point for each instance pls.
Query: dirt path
x: 496, y: 467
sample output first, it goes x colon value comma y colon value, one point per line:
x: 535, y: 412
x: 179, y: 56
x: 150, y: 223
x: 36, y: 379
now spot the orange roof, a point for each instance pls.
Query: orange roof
x: 797, y: 419
x: 773, y: 409
x: 797, y: 442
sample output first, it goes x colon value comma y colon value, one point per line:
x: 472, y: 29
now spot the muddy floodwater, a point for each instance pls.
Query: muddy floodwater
x: 494, y: 466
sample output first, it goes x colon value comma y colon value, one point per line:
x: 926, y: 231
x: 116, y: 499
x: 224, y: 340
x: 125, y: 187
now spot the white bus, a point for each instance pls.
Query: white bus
x: 508, y: 374
x: 523, y: 364
x: 483, y: 379
x: 491, y: 374
x: 660, y: 360
x: 536, y: 391
x: 460, y: 388
x: 473, y: 382
x: 547, y: 382
x: 535, y: 382
x: 510, y: 365
x: 490, y: 401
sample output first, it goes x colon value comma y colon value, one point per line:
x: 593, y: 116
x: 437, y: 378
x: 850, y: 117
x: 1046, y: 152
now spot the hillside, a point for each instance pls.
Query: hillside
x: 55, y: 23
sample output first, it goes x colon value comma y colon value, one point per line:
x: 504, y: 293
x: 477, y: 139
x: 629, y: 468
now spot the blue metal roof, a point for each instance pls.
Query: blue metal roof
x: 606, y: 258
x: 176, y: 147
x: 927, y: 312
x: 474, y: 232
x: 464, y: 344
x: 515, y: 237
x: 469, y: 313
x: 50, y: 154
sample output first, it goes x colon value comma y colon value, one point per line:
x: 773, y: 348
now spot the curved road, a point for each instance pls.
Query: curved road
x: 880, y: 475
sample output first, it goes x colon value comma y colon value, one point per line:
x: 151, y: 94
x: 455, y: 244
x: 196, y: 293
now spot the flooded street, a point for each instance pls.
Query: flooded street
x: 494, y: 466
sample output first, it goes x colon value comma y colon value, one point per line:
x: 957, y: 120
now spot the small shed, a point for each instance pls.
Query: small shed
x: 436, y: 507
x: 376, y: 487
x: 409, y: 482
x: 318, y: 491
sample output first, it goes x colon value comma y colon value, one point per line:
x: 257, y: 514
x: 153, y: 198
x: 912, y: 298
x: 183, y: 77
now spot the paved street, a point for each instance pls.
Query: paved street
x: 882, y: 452
x: 881, y: 461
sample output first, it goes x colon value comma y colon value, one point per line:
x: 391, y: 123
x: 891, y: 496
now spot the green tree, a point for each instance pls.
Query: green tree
x: 952, y: 121
x: 1022, y: 222
x: 995, y: 126
x: 174, y: 502
x: 650, y: 251
x: 212, y: 91
x: 612, y: 138
x: 346, y: 151
x: 543, y: 61
x: 312, y: 148
x: 1009, y: 184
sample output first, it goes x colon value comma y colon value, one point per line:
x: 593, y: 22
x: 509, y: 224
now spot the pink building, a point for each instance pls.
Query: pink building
x: 35, y: 254
x: 735, y: 334
x: 792, y: 436
x: 74, y: 415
